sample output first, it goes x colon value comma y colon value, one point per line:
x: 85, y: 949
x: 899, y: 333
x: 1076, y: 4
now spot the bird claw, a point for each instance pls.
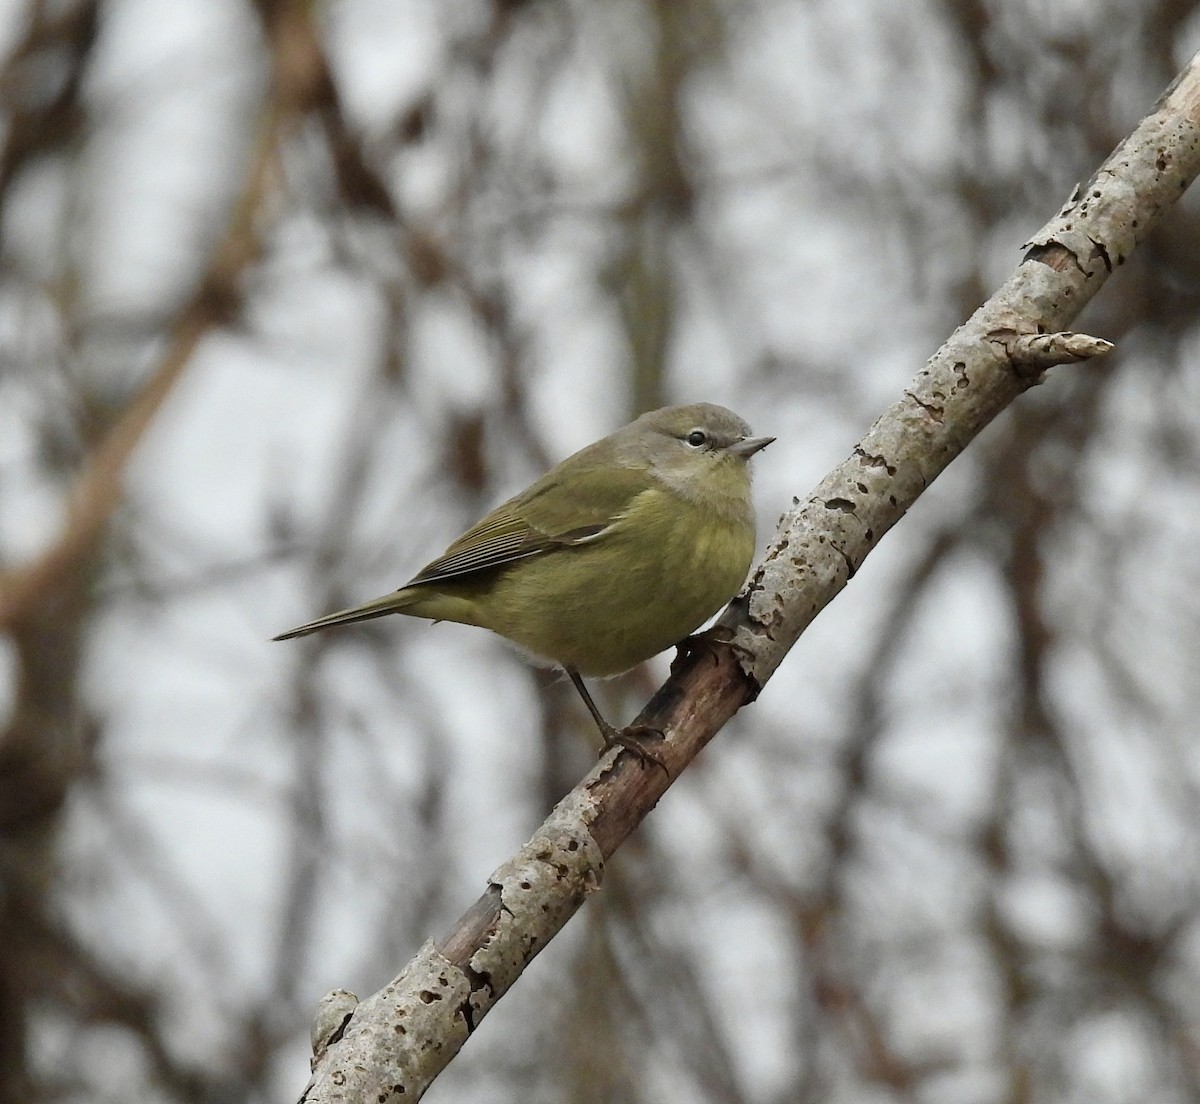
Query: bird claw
x: 632, y: 739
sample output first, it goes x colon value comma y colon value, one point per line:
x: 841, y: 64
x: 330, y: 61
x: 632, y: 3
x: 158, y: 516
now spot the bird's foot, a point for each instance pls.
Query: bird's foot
x: 634, y: 738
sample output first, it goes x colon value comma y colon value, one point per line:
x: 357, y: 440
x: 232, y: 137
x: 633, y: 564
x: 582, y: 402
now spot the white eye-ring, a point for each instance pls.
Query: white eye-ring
x: 697, y: 438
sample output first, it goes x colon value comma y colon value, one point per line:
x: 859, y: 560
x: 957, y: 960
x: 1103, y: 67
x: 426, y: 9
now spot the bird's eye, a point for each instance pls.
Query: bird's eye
x: 697, y: 438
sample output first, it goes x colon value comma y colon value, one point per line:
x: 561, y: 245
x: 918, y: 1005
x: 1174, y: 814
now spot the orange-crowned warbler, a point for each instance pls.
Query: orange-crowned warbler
x: 616, y: 554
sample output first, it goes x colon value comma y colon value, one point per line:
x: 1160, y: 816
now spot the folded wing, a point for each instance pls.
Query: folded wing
x: 548, y: 515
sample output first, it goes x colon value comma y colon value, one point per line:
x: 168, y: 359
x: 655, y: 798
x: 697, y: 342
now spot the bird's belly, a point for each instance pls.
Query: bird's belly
x: 606, y: 606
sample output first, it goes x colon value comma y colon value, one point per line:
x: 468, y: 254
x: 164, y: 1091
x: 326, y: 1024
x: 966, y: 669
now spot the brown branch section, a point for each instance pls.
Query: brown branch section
x: 399, y: 1039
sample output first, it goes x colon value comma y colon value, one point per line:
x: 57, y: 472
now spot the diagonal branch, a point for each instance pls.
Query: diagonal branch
x: 392, y: 1045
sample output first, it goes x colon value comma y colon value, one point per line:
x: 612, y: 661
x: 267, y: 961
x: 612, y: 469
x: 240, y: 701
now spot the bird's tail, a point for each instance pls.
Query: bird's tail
x: 396, y: 602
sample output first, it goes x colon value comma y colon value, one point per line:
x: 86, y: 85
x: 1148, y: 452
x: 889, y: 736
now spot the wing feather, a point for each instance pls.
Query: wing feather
x: 564, y: 508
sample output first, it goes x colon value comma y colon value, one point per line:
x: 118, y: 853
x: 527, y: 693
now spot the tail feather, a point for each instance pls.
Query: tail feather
x: 389, y: 603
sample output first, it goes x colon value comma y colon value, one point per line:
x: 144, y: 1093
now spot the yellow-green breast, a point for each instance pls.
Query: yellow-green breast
x: 656, y: 574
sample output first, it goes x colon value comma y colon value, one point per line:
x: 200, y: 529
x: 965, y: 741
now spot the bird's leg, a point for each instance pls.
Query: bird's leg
x: 631, y: 738
x: 606, y: 730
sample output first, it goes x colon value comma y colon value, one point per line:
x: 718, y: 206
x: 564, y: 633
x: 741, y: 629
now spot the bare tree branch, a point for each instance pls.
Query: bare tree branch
x: 399, y: 1039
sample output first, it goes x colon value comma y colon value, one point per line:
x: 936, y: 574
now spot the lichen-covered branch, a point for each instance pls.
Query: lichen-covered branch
x: 395, y: 1042
x: 968, y: 381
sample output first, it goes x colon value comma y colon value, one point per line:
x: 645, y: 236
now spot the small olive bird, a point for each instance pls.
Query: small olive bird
x: 613, y: 556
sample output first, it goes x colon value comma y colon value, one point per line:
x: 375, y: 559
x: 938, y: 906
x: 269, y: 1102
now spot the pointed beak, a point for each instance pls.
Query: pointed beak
x: 748, y: 446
